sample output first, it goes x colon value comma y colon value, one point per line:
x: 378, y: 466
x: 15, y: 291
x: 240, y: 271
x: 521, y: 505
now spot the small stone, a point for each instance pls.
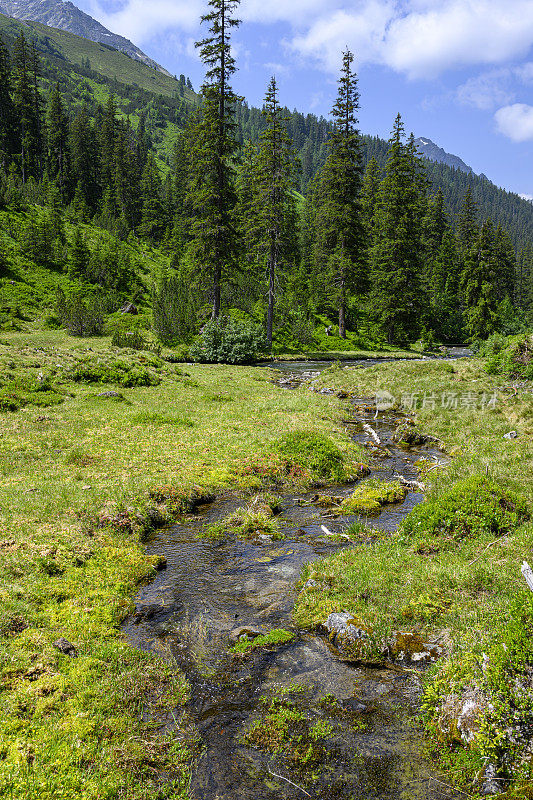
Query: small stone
x: 244, y: 632
x: 511, y: 435
x: 109, y: 394
x: 311, y: 584
x: 159, y: 562
x: 66, y: 647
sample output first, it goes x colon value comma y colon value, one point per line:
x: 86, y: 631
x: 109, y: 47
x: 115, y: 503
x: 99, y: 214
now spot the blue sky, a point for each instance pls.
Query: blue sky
x: 459, y: 71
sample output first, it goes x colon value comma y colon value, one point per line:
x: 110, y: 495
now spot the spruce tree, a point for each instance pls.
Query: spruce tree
x: 269, y: 209
x: 27, y: 103
x: 467, y: 224
x: 7, y: 112
x: 398, y: 299
x: 478, y: 284
x: 58, y: 156
x: 211, y: 189
x: 85, y: 161
x: 341, y: 240
x: 369, y: 195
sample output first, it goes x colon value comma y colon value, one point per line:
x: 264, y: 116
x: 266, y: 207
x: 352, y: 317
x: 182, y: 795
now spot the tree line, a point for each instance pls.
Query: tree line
x: 370, y: 245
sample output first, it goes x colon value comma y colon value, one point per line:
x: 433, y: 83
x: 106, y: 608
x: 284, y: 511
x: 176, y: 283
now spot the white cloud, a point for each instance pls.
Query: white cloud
x: 527, y: 197
x: 516, y: 122
x: 525, y: 72
x: 421, y: 38
x: 487, y: 91
x: 139, y: 20
x: 363, y: 31
x: 456, y: 33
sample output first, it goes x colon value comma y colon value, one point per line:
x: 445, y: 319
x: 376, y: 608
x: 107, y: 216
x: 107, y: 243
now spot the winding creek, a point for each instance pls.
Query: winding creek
x: 209, y: 590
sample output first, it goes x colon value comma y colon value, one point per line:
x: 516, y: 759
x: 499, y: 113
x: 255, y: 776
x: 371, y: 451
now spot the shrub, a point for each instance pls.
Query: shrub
x: 132, y: 339
x: 471, y: 507
x: 512, y: 357
x: 174, y: 311
x: 228, y: 341
x: 80, y: 315
x: 117, y: 371
x: 315, y: 452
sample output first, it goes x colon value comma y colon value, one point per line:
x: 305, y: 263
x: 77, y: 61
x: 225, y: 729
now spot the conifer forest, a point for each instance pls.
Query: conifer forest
x: 253, y: 219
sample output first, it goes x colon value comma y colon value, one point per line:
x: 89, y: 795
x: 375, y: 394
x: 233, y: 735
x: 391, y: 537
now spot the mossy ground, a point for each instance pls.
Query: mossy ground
x: 453, y: 568
x: 275, y: 637
x: 372, y: 495
x: 76, y: 482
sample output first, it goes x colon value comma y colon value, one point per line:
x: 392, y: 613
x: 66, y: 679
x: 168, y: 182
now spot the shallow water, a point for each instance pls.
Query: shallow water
x: 210, y: 588
x: 315, y: 367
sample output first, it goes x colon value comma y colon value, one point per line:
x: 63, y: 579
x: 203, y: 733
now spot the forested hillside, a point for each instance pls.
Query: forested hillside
x: 389, y: 245
x: 87, y: 72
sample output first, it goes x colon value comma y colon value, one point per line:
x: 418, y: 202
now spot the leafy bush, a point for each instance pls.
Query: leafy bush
x: 315, y: 452
x: 227, y: 341
x: 113, y: 370
x: 469, y: 508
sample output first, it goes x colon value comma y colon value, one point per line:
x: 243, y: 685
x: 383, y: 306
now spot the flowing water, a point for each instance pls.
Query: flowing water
x: 192, y: 611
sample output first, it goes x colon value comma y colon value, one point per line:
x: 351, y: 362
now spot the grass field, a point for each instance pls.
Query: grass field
x: 73, y: 727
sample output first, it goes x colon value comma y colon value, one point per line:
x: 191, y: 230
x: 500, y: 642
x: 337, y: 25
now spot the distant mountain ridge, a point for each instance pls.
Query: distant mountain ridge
x: 433, y: 152
x: 67, y: 17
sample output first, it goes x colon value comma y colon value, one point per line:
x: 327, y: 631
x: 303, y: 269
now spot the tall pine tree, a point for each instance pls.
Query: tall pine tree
x: 397, y: 254
x: 270, y: 228
x: 211, y: 190
x: 340, y: 230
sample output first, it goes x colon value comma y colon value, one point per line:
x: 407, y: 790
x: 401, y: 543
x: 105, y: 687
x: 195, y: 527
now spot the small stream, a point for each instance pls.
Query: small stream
x: 190, y: 614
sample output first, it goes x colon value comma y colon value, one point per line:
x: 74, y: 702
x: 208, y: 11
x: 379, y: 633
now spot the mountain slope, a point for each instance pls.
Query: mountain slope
x: 56, y: 46
x: 66, y: 16
x: 433, y: 152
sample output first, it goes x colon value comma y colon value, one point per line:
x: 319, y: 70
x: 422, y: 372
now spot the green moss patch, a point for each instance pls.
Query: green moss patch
x: 246, y: 523
x: 285, y: 730
x: 372, y: 495
x: 272, y: 638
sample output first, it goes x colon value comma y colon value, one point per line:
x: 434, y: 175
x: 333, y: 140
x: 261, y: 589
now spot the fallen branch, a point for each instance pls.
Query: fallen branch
x: 329, y: 533
x: 487, y: 547
x: 453, y: 788
x: 527, y: 572
x: 282, y: 778
x: 372, y: 433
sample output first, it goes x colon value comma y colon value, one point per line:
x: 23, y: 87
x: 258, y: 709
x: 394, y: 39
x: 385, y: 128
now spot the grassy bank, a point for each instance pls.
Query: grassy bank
x: 452, y: 572
x: 80, y: 464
